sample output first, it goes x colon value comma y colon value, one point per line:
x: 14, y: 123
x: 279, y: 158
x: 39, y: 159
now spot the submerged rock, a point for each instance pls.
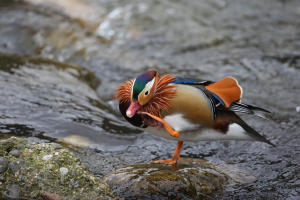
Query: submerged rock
x: 191, y: 179
x: 32, y: 177
x: 77, y: 140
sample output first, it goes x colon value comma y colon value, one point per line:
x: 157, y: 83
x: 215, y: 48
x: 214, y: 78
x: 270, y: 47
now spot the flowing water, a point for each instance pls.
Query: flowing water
x: 60, y: 63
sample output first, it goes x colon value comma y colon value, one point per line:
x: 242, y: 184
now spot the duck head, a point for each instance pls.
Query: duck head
x: 148, y: 93
x: 143, y: 89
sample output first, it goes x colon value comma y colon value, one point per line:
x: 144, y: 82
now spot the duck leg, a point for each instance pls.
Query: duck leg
x: 175, y: 158
x: 164, y: 123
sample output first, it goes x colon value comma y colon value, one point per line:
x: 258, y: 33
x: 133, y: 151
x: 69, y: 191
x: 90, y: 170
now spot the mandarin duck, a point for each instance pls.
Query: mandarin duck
x: 187, y: 109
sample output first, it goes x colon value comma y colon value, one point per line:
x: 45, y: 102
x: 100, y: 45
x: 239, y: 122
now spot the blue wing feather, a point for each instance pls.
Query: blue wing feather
x: 190, y: 81
x: 218, y: 98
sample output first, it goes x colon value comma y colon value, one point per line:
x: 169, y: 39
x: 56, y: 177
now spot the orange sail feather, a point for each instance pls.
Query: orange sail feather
x: 227, y: 89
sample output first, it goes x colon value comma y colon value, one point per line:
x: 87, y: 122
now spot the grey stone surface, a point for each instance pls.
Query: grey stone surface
x: 15, y: 153
x: 3, y: 164
x: 16, y: 165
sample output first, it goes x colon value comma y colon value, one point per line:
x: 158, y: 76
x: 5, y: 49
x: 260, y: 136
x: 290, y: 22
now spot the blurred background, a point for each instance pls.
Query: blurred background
x: 61, y: 62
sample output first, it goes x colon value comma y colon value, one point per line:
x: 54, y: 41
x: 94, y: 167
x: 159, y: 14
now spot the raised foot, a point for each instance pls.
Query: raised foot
x: 166, y: 162
x: 165, y: 124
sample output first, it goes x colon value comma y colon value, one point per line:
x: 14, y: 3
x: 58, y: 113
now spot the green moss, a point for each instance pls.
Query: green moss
x: 40, y: 175
x: 199, y: 180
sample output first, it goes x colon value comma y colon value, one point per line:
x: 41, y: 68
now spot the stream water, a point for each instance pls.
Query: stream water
x: 60, y: 63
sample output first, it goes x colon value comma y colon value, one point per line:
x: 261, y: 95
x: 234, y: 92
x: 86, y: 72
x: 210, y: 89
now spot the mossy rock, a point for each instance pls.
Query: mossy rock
x: 191, y: 179
x: 49, y: 168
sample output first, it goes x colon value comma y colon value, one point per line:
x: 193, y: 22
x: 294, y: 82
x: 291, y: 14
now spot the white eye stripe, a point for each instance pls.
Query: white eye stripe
x: 142, y: 94
x: 149, y: 85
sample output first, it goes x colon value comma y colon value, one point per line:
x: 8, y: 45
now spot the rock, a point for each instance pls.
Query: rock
x: 3, y: 164
x: 13, y: 192
x: 47, y: 157
x: 40, y: 178
x: 50, y: 196
x: 192, y: 179
x: 78, y: 141
x: 63, y: 171
x: 16, y: 165
x: 20, y: 146
x: 15, y: 153
x: 2, y: 179
x: 56, y: 146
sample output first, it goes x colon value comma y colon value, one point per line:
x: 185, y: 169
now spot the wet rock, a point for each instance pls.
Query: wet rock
x: 15, y: 153
x: 3, y: 164
x: 77, y: 140
x: 16, y: 165
x: 31, y: 173
x: 56, y: 146
x: 192, y: 179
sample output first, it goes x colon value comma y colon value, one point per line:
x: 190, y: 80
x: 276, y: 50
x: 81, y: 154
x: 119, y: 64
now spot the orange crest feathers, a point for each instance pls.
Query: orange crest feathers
x: 163, y: 94
x: 124, y: 92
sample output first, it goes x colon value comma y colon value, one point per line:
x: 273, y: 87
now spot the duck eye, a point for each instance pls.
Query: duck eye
x: 147, y: 92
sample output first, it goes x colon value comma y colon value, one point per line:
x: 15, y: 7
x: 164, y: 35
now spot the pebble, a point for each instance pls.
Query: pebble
x: 15, y: 153
x: 13, y: 192
x: 47, y: 157
x: 3, y: 164
x: 50, y: 196
x: 2, y: 179
x: 16, y: 165
x: 298, y: 109
x: 63, y: 171
x: 56, y: 146
x: 20, y: 146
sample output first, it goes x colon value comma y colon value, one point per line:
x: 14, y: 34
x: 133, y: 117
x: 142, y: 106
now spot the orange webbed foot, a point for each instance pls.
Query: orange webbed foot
x: 166, y: 162
x: 176, y: 156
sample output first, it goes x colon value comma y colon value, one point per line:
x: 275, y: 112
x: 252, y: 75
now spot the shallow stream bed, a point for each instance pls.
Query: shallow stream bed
x: 60, y: 64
